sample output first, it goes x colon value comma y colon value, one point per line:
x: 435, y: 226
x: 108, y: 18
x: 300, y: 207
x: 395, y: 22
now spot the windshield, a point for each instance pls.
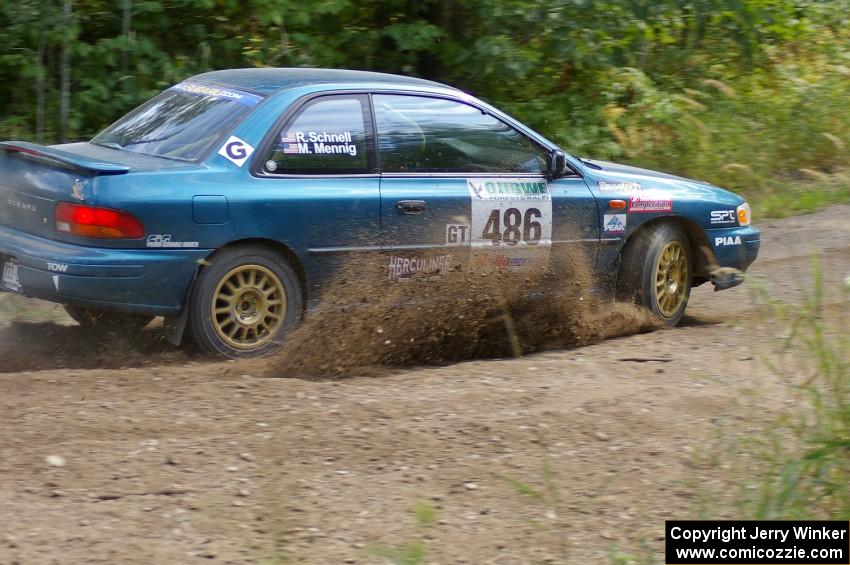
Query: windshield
x: 183, y: 122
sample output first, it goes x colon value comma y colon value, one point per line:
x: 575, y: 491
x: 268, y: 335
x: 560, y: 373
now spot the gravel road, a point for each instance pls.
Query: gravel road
x: 132, y: 452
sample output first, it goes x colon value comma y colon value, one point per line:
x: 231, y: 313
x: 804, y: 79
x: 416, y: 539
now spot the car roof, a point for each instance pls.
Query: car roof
x: 270, y: 80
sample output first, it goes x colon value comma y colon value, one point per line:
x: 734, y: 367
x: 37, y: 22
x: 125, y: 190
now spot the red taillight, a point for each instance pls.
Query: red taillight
x: 91, y: 221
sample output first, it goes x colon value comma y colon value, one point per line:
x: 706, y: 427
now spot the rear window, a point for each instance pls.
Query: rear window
x: 183, y: 122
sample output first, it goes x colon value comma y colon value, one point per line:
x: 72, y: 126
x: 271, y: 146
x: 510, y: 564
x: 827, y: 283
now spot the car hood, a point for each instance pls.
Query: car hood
x: 627, y: 170
x: 604, y: 171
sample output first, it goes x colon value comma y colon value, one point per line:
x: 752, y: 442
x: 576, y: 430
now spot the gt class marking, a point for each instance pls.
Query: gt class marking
x: 236, y: 151
x: 457, y: 234
x: 727, y: 240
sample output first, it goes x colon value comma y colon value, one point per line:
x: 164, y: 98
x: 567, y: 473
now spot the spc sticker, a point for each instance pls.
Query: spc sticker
x: 236, y: 151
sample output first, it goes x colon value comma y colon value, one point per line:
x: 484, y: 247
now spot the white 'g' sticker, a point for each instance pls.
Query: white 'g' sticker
x: 236, y: 151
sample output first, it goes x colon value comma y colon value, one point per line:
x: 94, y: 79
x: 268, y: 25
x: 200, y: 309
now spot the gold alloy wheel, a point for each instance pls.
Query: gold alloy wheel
x: 248, y: 307
x: 671, y: 278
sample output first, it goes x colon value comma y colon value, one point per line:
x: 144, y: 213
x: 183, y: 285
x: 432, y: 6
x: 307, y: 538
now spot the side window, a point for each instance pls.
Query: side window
x: 432, y: 135
x: 328, y: 135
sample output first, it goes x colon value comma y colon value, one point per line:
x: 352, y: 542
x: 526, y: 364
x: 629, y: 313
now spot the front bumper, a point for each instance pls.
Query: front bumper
x: 735, y: 249
x: 145, y: 281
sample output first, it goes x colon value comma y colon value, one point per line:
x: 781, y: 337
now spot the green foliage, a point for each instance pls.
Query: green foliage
x: 744, y: 93
x: 802, y: 468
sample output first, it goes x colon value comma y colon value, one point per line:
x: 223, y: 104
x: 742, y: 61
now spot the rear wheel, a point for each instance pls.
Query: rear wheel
x: 656, y: 270
x: 244, y: 303
x: 92, y: 318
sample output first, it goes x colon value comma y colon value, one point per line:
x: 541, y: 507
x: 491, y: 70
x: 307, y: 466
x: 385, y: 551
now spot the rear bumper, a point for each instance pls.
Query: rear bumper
x: 148, y: 281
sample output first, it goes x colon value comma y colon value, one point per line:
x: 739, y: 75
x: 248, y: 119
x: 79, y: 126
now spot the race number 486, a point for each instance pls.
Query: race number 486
x: 512, y: 226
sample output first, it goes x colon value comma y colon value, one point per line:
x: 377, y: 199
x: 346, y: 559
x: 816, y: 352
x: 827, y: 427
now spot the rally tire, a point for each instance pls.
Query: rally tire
x: 244, y: 302
x: 656, y: 271
x: 107, y: 320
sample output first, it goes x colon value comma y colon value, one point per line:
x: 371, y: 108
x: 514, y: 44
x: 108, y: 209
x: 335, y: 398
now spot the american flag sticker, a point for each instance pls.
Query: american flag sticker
x: 289, y: 143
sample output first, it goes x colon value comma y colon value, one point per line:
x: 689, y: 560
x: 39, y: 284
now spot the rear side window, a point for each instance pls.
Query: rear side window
x: 328, y: 135
x: 417, y: 134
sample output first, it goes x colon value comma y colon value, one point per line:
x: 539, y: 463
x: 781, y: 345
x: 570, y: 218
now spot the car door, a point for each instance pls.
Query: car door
x: 316, y: 185
x: 461, y: 188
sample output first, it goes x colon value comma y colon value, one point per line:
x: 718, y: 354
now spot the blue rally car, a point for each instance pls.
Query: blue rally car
x: 227, y: 201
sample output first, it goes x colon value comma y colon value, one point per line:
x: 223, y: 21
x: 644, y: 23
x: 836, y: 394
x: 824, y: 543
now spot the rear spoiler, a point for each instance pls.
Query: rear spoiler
x: 64, y: 159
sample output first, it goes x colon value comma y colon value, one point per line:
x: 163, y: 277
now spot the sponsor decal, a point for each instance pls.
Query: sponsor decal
x: 77, y: 190
x: 614, y: 223
x: 509, y: 189
x: 498, y: 261
x: 318, y: 143
x: 405, y: 268
x: 164, y: 241
x: 723, y: 217
x: 648, y: 202
x: 510, y: 213
x: 457, y: 234
x: 245, y: 98
x: 625, y: 187
x: 727, y: 240
x: 57, y: 267
x: 25, y: 206
x: 236, y: 151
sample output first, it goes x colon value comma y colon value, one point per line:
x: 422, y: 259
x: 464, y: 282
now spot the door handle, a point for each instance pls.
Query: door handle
x: 410, y: 207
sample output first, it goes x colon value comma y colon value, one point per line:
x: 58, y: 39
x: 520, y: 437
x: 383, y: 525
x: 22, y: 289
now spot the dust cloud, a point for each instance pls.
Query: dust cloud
x: 367, y: 322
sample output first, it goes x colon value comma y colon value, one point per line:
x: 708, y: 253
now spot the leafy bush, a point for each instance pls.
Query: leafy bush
x: 749, y: 94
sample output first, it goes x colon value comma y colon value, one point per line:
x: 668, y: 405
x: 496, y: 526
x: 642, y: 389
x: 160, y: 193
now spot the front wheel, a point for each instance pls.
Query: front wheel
x: 244, y: 303
x: 655, y: 272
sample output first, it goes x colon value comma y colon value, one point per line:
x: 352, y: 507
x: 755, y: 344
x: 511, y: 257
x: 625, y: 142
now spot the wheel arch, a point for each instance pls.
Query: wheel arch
x: 175, y: 327
x: 286, y: 251
x: 700, y: 246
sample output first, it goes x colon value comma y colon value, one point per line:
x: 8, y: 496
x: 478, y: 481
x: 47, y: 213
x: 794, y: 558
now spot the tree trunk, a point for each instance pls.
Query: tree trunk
x: 65, y: 95
x: 39, y: 87
x: 125, y: 31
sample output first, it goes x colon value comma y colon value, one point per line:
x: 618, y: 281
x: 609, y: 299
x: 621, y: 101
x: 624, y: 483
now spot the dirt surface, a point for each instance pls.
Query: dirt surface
x: 125, y: 450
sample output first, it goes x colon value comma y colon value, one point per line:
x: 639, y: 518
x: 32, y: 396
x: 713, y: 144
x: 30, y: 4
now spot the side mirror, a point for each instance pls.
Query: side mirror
x: 557, y: 163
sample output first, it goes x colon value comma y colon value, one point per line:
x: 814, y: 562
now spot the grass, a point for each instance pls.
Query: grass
x: 802, y: 466
x: 412, y: 552
x: 799, y: 467
x: 802, y: 198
